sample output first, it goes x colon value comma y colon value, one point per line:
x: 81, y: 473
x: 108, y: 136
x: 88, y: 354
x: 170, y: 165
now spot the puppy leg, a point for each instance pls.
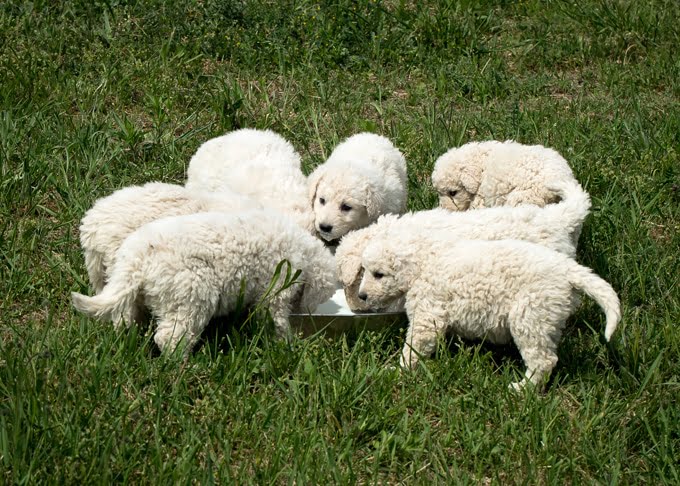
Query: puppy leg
x: 184, y: 321
x: 169, y: 332
x: 134, y: 314
x: 421, y: 339
x: 536, y: 337
x: 184, y: 305
x: 281, y: 322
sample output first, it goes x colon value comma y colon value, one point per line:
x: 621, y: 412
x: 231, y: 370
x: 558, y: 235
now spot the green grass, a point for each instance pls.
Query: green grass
x: 97, y: 95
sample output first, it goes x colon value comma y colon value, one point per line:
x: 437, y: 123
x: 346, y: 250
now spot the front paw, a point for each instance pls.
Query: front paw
x: 524, y: 384
x: 408, y: 361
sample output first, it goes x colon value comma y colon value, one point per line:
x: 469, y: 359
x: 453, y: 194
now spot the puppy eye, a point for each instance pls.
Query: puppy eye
x: 345, y: 207
x: 453, y: 193
x: 322, y: 201
x: 378, y: 275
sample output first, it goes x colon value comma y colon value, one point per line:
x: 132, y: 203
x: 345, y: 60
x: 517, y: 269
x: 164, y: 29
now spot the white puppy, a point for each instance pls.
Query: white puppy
x: 188, y: 269
x: 553, y: 226
x: 257, y: 163
x: 493, y: 173
x: 499, y: 290
x: 111, y: 219
x: 364, y: 177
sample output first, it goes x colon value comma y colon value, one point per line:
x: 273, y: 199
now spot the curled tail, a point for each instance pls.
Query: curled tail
x: 584, y: 279
x: 573, y: 208
x: 116, y: 302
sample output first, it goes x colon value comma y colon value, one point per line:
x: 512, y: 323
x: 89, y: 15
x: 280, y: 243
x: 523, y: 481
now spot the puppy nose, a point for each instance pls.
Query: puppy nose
x: 363, y: 296
x: 326, y: 228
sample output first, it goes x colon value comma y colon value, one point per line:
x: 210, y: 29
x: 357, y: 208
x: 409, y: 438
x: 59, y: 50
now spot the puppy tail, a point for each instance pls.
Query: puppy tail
x: 574, y: 206
x: 584, y: 279
x: 115, y: 302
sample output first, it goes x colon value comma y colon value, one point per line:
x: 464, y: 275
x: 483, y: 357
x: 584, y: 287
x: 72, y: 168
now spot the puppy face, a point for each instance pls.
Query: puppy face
x: 453, y: 194
x: 339, y: 206
x: 381, y: 283
x: 454, y: 198
x: 456, y: 184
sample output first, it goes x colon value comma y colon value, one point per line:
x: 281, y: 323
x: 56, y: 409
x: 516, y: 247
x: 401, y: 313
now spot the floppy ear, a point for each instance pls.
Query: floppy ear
x: 374, y: 200
x: 398, y: 260
x: 392, y: 264
x: 349, y: 267
x: 471, y: 177
x: 348, y: 256
x: 313, y: 182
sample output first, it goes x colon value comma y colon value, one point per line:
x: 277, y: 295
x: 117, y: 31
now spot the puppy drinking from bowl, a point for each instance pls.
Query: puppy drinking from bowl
x: 503, y: 291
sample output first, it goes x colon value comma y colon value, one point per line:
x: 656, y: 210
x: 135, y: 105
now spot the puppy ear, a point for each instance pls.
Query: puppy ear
x: 374, y: 202
x: 313, y: 181
x: 471, y: 177
x: 349, y: 268
x: 392, y: 263
x: 396, y: 255
x: 348, y: 256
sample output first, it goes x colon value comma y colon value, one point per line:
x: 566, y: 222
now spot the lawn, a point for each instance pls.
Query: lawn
x: 98, y: 95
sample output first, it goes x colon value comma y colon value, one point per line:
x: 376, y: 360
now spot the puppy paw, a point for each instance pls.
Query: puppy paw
x: 525, y: 384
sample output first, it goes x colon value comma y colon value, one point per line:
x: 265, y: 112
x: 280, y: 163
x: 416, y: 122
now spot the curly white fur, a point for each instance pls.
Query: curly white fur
x: 499, y: 290
x: 364, y: 177
x: 188, y: 269
x: 258, y: 163
x: 111, y: 219
x: 493, y: 173
x: 552, y: 226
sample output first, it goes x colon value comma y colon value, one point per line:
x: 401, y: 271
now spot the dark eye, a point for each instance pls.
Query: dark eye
x: 378, y: 275
x: 345, y: 207
x: 322, y: 201
x: 453, y: 193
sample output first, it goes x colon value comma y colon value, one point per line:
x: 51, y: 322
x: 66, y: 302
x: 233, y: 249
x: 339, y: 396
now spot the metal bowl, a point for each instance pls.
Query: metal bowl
x: 334, y: 317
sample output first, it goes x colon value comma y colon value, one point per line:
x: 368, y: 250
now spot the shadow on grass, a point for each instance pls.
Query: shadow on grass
x: 580, y: 354
x: 225, y: 333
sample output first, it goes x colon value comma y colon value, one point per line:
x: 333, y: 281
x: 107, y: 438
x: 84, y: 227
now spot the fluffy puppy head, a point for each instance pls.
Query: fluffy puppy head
x: 348, y: 259
x: 385, y: 276
x: 344, y: 198
x: 456, y: 183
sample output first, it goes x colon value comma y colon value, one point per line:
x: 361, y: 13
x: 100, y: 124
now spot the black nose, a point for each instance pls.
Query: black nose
x: 326, y: 228
x: 363, y: 296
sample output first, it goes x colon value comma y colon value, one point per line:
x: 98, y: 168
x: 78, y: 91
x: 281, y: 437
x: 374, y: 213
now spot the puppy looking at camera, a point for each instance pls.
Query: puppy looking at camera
x: 364, y: 177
